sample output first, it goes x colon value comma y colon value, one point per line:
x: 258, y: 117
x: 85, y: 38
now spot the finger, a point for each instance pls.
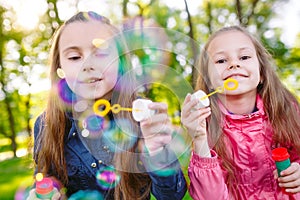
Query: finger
x: 292, y: 173
x: 293, y: 190
x: 289, y: 178
x: 188, y: 107
x: 159, y: 107
x: 291, y: 184
x: 56, y: 195
x: 291, y: 169
x: 31, y: 195
x: 187, y: 98
x: 162, y: 118
x: 198, y: 115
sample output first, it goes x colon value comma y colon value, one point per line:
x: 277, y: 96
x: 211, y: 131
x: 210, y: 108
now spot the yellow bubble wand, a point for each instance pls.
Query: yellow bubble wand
x: 116, y: 108
x: 225, y: 86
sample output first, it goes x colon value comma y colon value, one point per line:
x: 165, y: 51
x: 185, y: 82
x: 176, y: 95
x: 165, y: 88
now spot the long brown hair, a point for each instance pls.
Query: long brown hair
x: 51, y: 141
x: 281, y: 107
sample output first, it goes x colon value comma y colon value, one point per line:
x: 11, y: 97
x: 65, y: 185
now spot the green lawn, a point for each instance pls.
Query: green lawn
x: 15, y: 173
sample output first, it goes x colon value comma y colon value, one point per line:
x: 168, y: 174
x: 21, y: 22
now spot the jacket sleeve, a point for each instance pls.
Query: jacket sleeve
x: 168, y: 181
x: 206, y: 178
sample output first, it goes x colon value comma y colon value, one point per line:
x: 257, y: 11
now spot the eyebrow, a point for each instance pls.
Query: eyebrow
x: 70, y: 48
x: 240, y: 49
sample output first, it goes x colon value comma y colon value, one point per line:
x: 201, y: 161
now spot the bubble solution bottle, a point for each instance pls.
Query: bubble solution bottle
x: 282, y: 160
x: 44, y: 188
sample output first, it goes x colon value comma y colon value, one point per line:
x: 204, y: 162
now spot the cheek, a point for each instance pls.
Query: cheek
x: 214, y: 75
x: 256, y: 73
x: 112, y: 73
x: 72, y: 71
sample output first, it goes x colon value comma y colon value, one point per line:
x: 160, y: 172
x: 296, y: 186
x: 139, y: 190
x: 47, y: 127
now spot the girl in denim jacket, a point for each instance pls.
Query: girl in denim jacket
x: 106, y: 155
x: 234, y: 137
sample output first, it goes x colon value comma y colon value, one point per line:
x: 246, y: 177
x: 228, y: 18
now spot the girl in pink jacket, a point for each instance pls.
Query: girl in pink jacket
x: 234, y: 137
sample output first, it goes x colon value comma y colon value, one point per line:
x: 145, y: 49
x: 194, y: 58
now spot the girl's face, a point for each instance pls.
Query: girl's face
x: 91, y: 71
x: 233, y: 55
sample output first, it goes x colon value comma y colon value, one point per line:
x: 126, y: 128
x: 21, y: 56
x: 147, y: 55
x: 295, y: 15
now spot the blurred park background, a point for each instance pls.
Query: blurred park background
x: 27, y: 27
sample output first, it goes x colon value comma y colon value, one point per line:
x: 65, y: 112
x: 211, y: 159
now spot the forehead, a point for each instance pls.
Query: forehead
x: 230, y: 40
x: 83, y: 33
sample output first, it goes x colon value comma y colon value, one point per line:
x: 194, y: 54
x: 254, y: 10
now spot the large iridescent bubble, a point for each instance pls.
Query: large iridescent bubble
x: 159, y: 71
x: 160, y: 80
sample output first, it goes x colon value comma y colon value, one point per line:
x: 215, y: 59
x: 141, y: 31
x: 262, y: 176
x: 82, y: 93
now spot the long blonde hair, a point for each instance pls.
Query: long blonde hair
x: 56, y: 124
x: 281, y: 107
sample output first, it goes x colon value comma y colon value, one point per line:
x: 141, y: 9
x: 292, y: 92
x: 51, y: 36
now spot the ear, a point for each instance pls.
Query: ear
x: 60, y: 73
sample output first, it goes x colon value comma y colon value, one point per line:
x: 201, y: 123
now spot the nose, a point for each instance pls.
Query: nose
x: 234, y: 64
x: 89, y: 64
x: 88, y: 68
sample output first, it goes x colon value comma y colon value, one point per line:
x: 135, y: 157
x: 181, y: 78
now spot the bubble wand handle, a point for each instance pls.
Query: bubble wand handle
x: 218, y: 90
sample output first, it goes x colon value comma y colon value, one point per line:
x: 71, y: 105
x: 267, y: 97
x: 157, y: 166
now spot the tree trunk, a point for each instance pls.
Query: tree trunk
x: 195, y: 51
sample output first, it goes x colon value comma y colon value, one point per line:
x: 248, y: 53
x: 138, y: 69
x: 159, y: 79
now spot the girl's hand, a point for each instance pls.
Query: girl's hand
x: 32, y: 195
x: 156, y: 130
x: 194, y: 119
x: 290, y: 178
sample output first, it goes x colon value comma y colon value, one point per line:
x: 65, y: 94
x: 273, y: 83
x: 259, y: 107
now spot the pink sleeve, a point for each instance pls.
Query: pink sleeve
x: 206, y: 178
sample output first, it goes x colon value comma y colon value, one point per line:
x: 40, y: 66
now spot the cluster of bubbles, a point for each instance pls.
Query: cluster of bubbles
x: 151, y: 51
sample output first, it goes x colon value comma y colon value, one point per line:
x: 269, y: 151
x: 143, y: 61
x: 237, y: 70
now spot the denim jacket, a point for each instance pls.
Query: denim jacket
x: 82, y: 167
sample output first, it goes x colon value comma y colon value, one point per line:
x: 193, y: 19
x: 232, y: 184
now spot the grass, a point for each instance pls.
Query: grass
x: 16, y: 173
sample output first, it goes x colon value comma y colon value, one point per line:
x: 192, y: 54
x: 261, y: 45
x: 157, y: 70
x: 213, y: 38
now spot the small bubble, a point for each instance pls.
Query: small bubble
x: 107, y: 177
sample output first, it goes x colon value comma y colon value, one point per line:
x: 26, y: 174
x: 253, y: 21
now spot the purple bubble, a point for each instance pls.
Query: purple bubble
x: 65, y: 92
x: 107, y: 177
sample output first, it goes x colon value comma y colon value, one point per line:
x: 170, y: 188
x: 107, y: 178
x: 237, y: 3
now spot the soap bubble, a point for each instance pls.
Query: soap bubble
x: 107, y: 177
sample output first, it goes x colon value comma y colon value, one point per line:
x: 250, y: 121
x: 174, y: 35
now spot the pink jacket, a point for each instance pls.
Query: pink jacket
x: 251, y: 138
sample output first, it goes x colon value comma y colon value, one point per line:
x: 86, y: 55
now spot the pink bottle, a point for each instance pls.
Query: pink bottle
x: 44, y: 188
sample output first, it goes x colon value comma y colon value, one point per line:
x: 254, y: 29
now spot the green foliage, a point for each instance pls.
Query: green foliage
x: 16, y: 174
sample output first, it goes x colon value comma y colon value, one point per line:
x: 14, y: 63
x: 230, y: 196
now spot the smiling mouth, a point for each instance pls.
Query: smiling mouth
x: 235, y: 76
x: 93, y: 80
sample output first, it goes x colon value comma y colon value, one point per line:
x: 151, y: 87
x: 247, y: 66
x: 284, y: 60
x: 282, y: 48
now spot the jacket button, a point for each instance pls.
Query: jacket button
x: 106, y: 148
x: 93, y: 165
x: 74, y: 134
x: 100, y: 161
